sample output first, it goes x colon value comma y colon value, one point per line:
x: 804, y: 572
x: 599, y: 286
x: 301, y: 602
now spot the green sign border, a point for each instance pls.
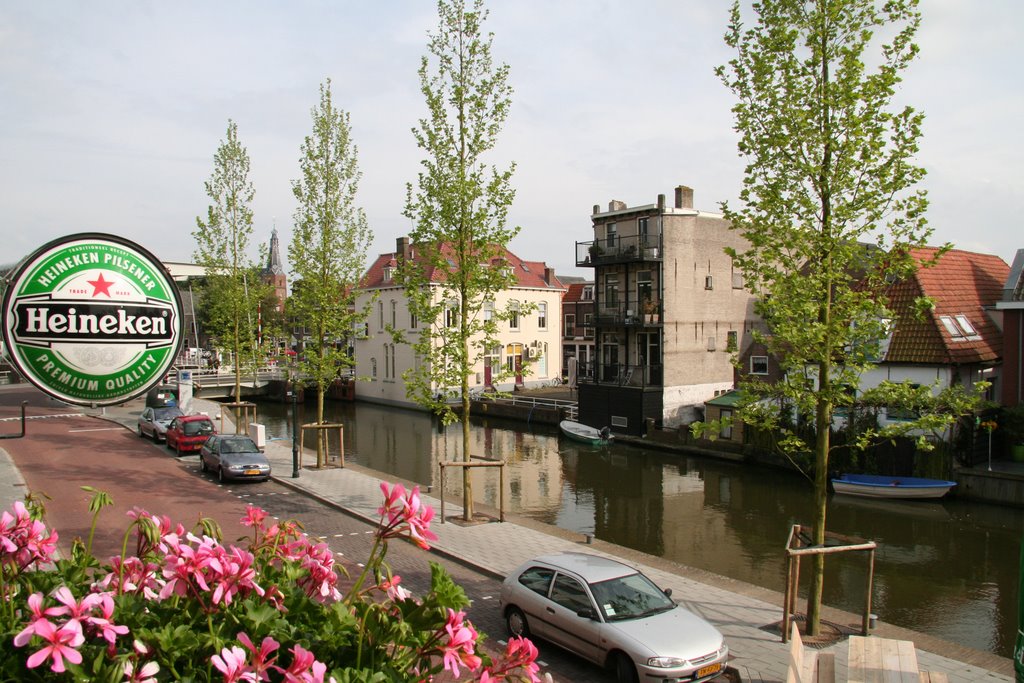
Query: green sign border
x: 135, y: 381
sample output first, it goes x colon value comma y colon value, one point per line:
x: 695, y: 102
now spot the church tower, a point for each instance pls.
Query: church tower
x: 273, y: 274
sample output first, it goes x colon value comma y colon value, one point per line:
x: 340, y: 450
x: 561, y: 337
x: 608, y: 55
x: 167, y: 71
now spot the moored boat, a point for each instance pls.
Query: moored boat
x: 880, y: 486
x: 585, y: 433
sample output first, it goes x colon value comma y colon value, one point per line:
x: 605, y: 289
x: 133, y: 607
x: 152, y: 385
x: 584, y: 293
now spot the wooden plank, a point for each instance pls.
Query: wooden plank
x: 826, y: 668
x: 934, y: 677
x: 796, y: 656
x: 882, y: 660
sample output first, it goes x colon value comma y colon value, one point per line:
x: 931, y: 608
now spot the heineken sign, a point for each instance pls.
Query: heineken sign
x: 92, y: 319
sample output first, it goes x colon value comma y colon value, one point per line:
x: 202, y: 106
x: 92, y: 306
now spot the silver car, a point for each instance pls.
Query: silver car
x: 153, y: 421
x: 613, y: 615
x: 233, y: 456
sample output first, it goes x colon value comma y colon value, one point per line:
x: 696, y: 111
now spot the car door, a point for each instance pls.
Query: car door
x: 535, y: 583
x: 209, y: 452
x: 146, y: 422
x: 173, y: 430
x: 581, y: 635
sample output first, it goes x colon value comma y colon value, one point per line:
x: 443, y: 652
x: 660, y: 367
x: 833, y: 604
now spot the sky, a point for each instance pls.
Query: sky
x: 111, y: 112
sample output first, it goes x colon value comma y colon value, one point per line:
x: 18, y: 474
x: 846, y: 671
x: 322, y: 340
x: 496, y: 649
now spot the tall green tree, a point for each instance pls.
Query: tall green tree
x: 828, y: 206
x: 232, y: 288
x: 328, y: 248
x: 459, y: 212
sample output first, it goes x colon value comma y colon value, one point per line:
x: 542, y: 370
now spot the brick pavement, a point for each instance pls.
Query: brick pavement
x: 738, y: 610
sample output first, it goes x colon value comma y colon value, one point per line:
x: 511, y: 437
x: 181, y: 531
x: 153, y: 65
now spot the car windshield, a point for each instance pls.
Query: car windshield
x: 243, y: 445
x: 167, y: 414
x: 197, y: 427
x: 630, y: 597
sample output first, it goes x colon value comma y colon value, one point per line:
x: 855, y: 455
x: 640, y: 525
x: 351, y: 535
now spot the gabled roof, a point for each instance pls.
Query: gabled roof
x: 958, y: 330
x: 575, y: 292
x: 527, y: 273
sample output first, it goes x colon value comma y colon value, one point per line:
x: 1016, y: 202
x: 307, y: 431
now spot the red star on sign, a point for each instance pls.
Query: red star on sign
x: 100, y: 286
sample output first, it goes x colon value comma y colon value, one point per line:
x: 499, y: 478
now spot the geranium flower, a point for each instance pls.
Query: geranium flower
x: 262, y: 661
x: 145, y: 674
x: 395, y: 592
x: 405, y: 513
x: 231, y: 663
x: 253, y: 516
x: 458, y: 649
x: 519, y: 654
x: 60, y: 644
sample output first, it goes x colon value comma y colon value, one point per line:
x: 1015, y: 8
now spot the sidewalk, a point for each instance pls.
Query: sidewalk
x: 739, y: 610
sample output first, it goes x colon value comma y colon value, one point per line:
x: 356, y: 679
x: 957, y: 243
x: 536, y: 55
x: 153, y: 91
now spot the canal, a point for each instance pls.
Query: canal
x: 945, y: 568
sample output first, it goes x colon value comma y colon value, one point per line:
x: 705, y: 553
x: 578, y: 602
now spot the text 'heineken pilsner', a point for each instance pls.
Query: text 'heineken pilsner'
x: 92, y: 319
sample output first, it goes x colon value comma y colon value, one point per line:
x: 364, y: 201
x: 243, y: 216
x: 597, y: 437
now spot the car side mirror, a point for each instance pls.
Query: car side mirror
x: 668, y: 592
x: 586, y: 613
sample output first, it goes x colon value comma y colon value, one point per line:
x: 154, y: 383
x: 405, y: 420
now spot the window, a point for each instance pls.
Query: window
x: 542, y: 316
x: 380, y: 316
x: 394, y: 318
x: 611, y: 289
x: 413, y: 321
x: 641, y: 230
x: 902, y: 413
x: 959, y: 327
x: 611, y: 232
x: 725, y: 432
x: 709, y: 282
x: 361, y: 330
x: 569, y: 593
x: 488, y: 311
x: 537, y: 579
x: 513, y: 315
x: 570, y: 324
x: 759, y: 365
x: 588, y: 325
x: 451, y: 317
x: 373, y: 368
x: 732, y: 341
x: 711, y: 344
x: 387, y: 273
x: 737, y: 280
x: 588, y: 293
x: 387, y: 367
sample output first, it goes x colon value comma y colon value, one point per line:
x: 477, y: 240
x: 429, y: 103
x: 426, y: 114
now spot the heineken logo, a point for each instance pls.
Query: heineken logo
x: 92, y: 319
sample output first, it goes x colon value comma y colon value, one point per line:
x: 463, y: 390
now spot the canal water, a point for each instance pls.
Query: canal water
x: 949, y: 568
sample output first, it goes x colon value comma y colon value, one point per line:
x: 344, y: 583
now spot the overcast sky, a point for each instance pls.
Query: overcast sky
x: 110, y: 112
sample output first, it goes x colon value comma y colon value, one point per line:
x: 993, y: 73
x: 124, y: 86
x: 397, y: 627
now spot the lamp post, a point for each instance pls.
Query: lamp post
x: 295, y: 431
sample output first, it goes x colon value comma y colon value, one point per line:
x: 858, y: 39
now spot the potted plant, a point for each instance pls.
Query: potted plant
x: 650, y: 310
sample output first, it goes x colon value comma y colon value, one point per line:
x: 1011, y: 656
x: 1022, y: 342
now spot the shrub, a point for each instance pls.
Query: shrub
x: 185, y: 607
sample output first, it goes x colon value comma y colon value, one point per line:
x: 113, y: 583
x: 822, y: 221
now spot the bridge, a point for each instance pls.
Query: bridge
x: 216, y: 383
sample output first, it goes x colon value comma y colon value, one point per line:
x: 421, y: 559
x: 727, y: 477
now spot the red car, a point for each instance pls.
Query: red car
x: 188, y: 433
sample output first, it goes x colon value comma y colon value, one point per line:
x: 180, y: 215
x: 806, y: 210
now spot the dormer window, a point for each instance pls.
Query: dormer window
x: 388, y: 273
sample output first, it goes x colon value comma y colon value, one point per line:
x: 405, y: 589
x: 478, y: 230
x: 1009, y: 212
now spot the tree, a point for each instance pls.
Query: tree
x: 232, y: 289
x: 328, y: 248
x: 829, y: 208
x: 459, y: 212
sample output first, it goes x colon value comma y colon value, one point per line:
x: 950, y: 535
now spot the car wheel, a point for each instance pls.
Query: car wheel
x: 141, y: 435
x: 625, y: 672
x: 220, y: 474
x: 177, y: 447
x: 202, y: 463
x: 515, y: 622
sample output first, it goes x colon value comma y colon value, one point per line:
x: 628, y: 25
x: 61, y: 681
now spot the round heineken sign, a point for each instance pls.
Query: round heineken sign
x: 92, y: 319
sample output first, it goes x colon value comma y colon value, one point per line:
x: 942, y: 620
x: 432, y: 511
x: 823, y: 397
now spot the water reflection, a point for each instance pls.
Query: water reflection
x: 949, y: 568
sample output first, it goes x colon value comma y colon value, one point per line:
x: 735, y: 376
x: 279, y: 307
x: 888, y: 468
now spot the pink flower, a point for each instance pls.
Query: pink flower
x: 395, y: 592
x: 458, y: 648
x: 262, y: 661
x: 145, y: 674
x: 78, y: 611
x: 60, y: 644
x: 231, y: 663
x: 253, y: 516
x: 35, y: 605
x: 104, y: 625
x: 305, y: 668
x: 405, y: 513
x: 23, y: 540
x: 521, y: 654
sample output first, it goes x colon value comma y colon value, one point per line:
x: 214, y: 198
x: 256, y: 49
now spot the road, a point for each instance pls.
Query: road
x: 64, y: 450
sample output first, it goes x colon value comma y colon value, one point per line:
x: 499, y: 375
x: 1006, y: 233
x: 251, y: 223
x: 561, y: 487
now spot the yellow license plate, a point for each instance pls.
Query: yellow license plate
x: 708, y: 670
x: 250, y: 472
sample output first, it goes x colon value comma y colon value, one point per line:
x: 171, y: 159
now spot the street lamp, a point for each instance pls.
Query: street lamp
x: 295, y: 431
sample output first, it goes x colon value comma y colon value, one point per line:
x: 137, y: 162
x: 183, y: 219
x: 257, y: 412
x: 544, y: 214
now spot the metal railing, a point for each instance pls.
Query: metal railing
x: 619, y: 249
x: 626, y: 314
x: 619, y: 374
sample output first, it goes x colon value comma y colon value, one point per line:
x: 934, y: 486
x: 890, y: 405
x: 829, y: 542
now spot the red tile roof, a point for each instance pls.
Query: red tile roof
x: 961, y: 283
x: 527, y: 273
x: 575, y: 292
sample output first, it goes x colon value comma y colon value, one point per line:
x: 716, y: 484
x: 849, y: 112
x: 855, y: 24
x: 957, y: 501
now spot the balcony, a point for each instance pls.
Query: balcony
x: 633, y: 314
x: 619, y: 249
x: 636, y: 376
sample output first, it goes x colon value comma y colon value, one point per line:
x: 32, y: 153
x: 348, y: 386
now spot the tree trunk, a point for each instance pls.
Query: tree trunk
x: 467, y: 481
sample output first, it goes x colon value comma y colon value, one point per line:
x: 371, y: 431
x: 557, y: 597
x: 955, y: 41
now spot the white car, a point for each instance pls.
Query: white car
x: 153, y: 421
x: 613, y: 615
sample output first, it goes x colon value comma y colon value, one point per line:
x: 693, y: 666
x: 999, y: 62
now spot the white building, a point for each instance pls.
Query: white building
x: 534, y: 336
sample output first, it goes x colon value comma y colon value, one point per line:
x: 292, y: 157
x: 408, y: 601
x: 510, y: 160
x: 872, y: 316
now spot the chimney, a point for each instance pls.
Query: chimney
x: 616, y: 205
x: 402, y: 248
x: 661, y: 203
x: 597, y: 209
x: 684, y: 197
x: 549, y: 275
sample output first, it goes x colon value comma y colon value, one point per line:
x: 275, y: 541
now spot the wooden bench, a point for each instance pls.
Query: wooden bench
x: 809, y: 666
x: 883, y: 659
x: 934, y: 677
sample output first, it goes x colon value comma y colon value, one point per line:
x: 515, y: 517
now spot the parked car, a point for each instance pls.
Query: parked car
x: 613, y: 615
x: 188, y: 433
x: 233, y: 456
x: 164, y: 395
x: 153, y: 421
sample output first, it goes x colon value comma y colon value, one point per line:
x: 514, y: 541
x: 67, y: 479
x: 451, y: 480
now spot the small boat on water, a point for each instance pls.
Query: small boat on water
x: 879, y: 486
x: 581, y: 432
